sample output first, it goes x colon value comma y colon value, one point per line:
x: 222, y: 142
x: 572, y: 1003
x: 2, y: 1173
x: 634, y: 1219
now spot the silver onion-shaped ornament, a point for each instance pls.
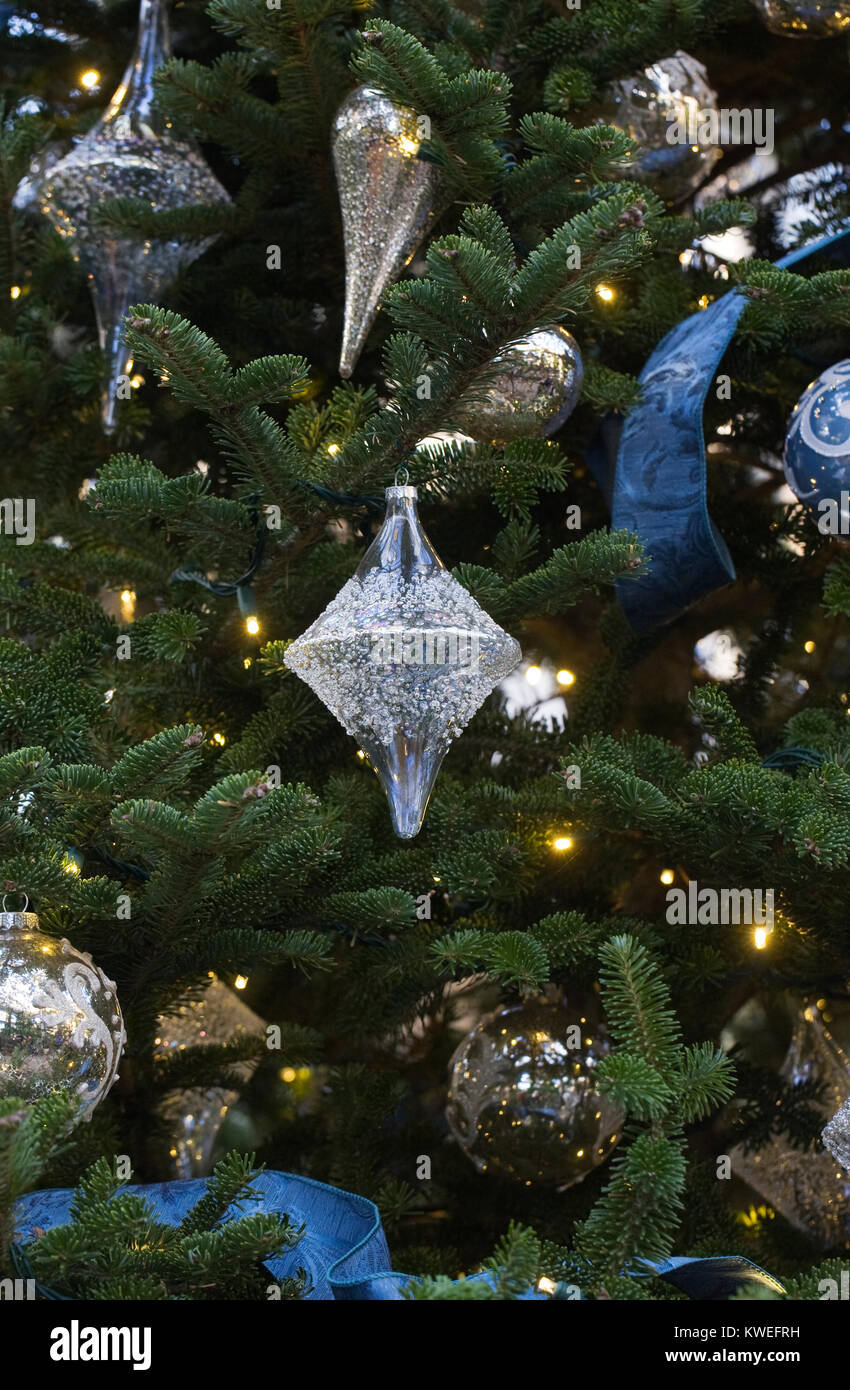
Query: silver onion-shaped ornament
x: 60, y: 1022
x: 195, y: 1116
x: 670, y: 111
x: 130, y: 152
x: 387, y: 197
x: 533, y: 387
x: 805, y: 19
x: 836, y: 1135
x: 523, y: 1099
x: 403, y: 657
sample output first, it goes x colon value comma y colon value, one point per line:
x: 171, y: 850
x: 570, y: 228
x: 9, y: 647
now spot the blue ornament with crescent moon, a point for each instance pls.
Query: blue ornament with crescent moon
x: 817, y: 445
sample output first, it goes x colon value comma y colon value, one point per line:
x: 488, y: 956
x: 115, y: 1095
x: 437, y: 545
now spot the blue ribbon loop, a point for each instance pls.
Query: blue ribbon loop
x: 344, y: 1250
x: 652, y: 464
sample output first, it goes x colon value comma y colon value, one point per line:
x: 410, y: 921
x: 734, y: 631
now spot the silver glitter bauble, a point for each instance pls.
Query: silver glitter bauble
x: 195, y: 1116
x: 387, y: 197
x: 403, y: 656
x: 130, y: 152
x: 537, y: 387
x: 523, y: 1099
x: 60, y: 1024
x: 805, y: 19
x: 807, y: 1186
x: 836, y: 1136
x: 668, y: 110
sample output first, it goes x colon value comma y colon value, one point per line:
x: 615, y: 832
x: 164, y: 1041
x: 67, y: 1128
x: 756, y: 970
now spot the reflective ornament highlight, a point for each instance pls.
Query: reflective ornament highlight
x: 60, y: 1022
x: 805, y: 19
x: 670, y: 98
x: 387, y: 197
x: 195, y: 1116
x: 537, y: 386
x: 403, y: 657
x: 817, y: 446
x: 808, y: 1186
x: 836, y: 1136
x: 523, y: 1100
x: 130, y: 152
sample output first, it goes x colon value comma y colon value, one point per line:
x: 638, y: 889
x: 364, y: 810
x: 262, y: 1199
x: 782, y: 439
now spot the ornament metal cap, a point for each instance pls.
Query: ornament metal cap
x: 28, y: 920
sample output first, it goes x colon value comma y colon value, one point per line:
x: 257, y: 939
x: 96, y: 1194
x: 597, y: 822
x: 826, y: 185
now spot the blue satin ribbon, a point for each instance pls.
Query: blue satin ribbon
x: 344, y: 1249
x: 652, y: 465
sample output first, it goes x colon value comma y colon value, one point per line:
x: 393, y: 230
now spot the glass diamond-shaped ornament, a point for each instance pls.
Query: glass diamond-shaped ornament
x: 403, y: 657
x: 130, y: 152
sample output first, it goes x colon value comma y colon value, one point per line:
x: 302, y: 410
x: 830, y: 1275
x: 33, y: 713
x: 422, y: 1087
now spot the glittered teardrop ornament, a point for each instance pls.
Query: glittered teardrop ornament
x: 130, y: 153
x: 60, y: 1024
x: 403, y: 657
x: 535, y: 388
x: 387, y: 197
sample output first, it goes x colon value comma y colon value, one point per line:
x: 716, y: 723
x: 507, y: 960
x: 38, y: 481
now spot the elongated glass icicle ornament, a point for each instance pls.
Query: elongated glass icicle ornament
x: 130, y: 152
x: 403, y: 657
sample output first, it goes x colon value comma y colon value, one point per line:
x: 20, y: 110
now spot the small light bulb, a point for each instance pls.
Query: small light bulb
x: 240, y: 982
x: 545, y: 1286
x: 90, y: 79
x: 565, y: 677
x: 128, y: 596
x: 137, y: 381
x: 333, y: 448
x: 533, y: 675
x: 361, y: 755
x: 288, y: 1074
x: 219, y: 739
x: 667, y: 875
x: 252, y: 625
x: 760, y: 938
x: 562, y: 842
x: 408, y: 146
x: 71, y: 867
x: 703, y: 301
x: 809, y: 646
x: 247, y: 663
x: 605, y: 292
x: 15, y: 291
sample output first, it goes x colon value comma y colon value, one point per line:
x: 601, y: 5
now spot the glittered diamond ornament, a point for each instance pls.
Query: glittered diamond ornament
x: 403, y: 656
x: 130, y: 152
x: 836, y: 1135
x: 387, y: 197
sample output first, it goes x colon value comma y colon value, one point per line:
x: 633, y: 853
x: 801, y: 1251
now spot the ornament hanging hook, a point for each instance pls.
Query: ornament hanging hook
x: 401, y: 477
x: 3, y: 907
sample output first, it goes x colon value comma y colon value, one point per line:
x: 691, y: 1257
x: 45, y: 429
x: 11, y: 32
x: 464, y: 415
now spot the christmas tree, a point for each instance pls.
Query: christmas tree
x: 570, y: 1007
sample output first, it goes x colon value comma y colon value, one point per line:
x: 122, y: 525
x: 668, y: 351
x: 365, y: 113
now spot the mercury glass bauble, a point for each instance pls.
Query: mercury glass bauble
x: 60, y: 1024
x: 536, y: 387
x: 403, y: 656
x: 805, y: 19
x: 662, y: 109
x: 523, y: 1099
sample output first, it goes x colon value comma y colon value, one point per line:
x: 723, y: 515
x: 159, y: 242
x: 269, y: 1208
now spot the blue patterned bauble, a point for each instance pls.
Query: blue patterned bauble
x: 817, y: 446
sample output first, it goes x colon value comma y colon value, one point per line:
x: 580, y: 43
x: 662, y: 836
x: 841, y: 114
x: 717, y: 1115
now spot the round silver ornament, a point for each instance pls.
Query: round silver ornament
x: 387, y: 197
x: 60, y: 1023
x: 536, y: 387
x: 805, y: 19
x: 523, y: 1099
x: 670, y: 111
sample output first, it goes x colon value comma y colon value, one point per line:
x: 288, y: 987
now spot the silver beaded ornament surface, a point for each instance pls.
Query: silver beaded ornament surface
x: 60, y: 1022
x: 195, y: 1116
x: 659, y: 109
x: 403, y: 657
x: 523, y: 1099
x: 535, y: 385
x: 130, y: 152
x: 388, y: 200
x: 836, y: 1135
